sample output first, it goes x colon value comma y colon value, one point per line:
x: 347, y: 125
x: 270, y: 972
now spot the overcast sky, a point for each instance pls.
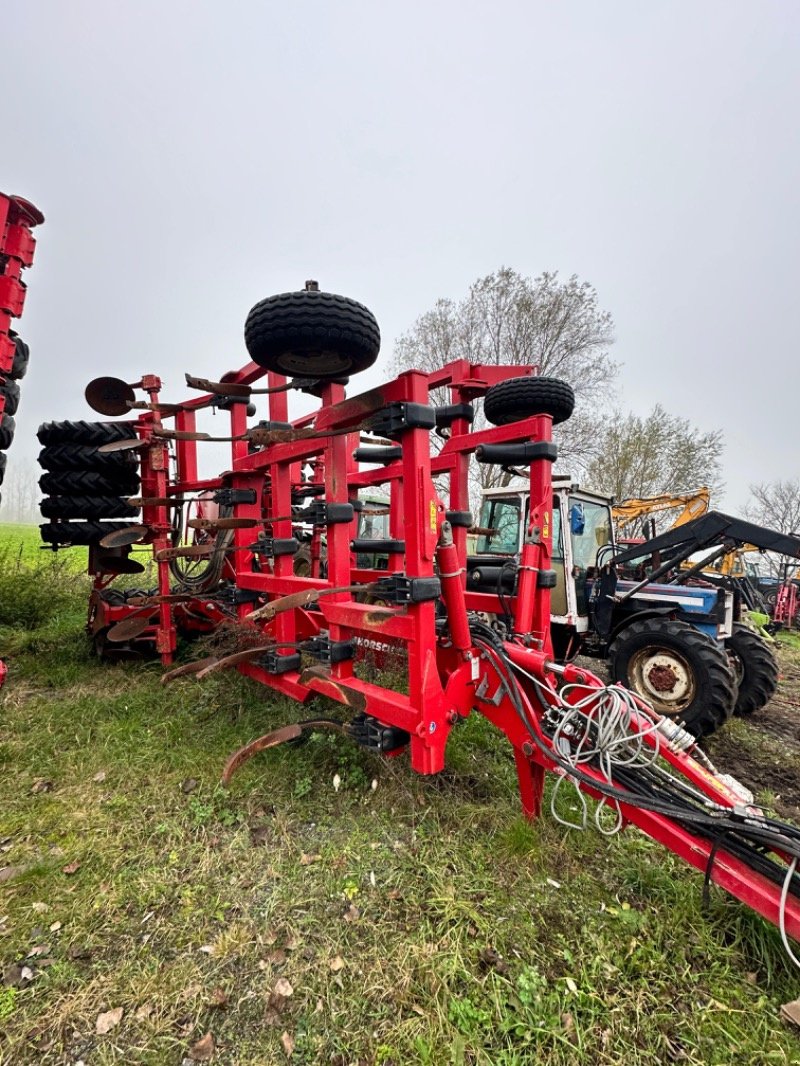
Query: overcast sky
x: 192, y: 157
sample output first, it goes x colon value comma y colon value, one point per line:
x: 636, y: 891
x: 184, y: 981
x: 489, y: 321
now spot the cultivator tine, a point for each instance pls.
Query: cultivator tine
x: 181, y: 434
x: 201, y: 551
x: 235, y: 658
x: 155, y: 501
x: 160, y: 408
x: 223, y: 523
x: 278, y: 736
x: 167, y: 597
x: 187, y: 669
x: 237, y: 389
x: 123, y: 538
x: 269, y: 740
x: 298, y: 600
x: 188, y: 551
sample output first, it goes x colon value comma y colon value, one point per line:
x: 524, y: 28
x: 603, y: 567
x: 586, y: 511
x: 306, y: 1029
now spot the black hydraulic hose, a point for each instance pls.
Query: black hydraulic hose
x: 690, y: 819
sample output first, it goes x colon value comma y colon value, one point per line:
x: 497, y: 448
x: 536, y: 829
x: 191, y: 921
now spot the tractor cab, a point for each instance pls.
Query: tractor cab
x: 581, y: 529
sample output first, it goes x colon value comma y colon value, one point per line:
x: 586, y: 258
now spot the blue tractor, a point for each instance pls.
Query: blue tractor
x: 666, y: 630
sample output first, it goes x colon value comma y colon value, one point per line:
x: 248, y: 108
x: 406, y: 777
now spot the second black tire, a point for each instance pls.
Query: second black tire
x: 518, y: 398
x: 124, y: 482
x: 683, y: 673
x: 754, y: 667
x: 312, y: 335
x: 83, y: 457
x: 87, y: 507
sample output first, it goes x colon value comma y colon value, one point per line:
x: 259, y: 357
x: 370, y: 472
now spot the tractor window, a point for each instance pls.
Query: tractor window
x: 372, y: 525
x: 502, y: 517
x: 594, y: 524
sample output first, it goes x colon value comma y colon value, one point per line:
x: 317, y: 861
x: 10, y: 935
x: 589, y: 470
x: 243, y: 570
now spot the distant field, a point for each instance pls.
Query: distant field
x: 22, y: 542
x: 14, y: 537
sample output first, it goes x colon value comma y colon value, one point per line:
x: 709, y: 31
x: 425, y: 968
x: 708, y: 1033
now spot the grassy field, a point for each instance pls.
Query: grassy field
x: 393, y: 920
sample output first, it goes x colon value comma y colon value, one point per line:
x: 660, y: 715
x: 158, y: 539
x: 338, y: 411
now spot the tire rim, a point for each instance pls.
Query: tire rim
x: 664, y: 677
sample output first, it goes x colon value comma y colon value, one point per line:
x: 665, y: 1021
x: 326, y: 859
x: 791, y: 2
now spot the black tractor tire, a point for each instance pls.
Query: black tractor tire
x: 3, y: 459
x: 83, y: 457
x: 312, y: 335
x: 10, y: 390
x: 19, y: 367
x: 87, y: 507
x: 91, y: 433
x: 653, y: 653
x: 755, y: 668
x: 125, y: 482
x: 518, y: 398
x: 78, y: 532
x: 7, y: 427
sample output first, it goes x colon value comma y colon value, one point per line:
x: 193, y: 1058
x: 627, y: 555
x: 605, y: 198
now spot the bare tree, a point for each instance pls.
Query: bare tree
x: 510, y: 320
x: 20, y: 491
x: 776, y: 505
x: 652, y: 454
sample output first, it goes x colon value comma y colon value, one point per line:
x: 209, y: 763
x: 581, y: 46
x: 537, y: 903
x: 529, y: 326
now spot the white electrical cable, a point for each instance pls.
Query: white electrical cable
x: 782, y: 912
x: 610, y: 712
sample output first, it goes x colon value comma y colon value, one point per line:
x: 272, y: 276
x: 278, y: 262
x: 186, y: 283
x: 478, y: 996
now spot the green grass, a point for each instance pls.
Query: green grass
x: 382, y: 907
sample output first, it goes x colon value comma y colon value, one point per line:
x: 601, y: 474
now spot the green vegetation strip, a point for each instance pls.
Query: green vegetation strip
x: 391, y: 919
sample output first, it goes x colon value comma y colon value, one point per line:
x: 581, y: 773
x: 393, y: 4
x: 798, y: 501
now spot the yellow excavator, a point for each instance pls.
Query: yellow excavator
x: 731, y: 565
x: 627, y: 512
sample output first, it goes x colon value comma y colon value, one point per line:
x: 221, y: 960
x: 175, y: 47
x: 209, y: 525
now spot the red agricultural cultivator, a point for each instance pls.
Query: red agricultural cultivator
x: 226, y: 551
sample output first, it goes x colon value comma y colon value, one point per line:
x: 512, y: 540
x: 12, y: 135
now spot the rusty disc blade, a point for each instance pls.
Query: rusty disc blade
x: 109, y: 396
x: 130, y: 628
x: 121, y: 538
x: 118, y: 564
x: 130, y: 444
x: 223, y: 523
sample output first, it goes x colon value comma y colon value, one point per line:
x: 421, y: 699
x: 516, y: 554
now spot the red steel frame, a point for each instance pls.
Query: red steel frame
x: 448, y: 677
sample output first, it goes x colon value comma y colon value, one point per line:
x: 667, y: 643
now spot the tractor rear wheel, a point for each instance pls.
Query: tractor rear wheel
x: 754, y: 667
x: 312, y: 335
x: 518, y: 398
x: 681, y: 672
x: 3, y: 459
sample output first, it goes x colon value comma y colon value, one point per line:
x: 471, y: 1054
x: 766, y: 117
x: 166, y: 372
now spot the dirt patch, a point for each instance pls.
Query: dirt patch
x: 763, y: 749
